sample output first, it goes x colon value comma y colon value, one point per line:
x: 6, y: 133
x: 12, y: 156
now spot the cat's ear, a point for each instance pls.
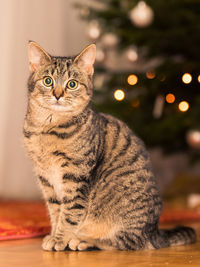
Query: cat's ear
x: 37, y: 56
x: 86, y: 59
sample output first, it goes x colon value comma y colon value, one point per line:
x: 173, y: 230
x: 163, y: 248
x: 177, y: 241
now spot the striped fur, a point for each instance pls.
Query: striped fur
x: 94, y: 172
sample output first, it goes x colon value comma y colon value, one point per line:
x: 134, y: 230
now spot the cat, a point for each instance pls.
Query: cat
x: 94, y: 172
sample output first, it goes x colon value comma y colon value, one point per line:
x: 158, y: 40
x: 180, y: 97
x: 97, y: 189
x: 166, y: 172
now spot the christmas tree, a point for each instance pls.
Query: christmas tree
x: 147, y: 70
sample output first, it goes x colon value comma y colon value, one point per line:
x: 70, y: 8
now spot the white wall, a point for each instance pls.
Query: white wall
x: 54, y: 24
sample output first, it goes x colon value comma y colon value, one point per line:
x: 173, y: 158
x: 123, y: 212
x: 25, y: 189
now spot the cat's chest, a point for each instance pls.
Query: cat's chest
x: 44, y: 152
x: 42, y: 149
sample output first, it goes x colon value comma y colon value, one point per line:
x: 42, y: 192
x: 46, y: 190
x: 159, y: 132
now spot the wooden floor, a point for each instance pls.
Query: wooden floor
x: 28, y: 253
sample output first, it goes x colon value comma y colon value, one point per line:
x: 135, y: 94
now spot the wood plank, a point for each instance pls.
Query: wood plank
x: 28, y: 253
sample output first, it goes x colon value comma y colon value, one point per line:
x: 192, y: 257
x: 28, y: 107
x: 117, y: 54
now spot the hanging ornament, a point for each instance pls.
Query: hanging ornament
x: 100, y: 55
x: 94, y: 30
x: 132, y: 54
x: 109, y: 40
x: 141, y: 15
x: 193, y: 138
x: 158, y: 106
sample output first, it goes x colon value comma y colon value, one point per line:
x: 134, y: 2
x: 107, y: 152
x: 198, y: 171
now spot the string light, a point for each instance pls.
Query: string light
x: 150, y: 74
x: 183, y: 106
x: 187, y: 78
x: 170, y: 98
x: 198, y: 78
x: 119, y: 95
x: 132, y: 79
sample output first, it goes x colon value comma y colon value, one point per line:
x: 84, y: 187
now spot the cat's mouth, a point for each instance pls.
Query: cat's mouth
x: 58, y: 106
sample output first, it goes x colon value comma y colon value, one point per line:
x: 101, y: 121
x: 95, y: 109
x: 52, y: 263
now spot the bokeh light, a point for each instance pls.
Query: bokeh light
x: 94, y: 30
x: 150, y: 74
x: 198, y: 78
x: 187, y: 78
x: 132, y: 79
x: 183, y: 106
x: 132, y: 54
x: 119, y: 95
x: 170, y: 98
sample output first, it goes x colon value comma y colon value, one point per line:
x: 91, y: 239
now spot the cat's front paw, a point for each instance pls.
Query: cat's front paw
x: 52, y: 243
x: 48, y: 242
x: 76, y: 244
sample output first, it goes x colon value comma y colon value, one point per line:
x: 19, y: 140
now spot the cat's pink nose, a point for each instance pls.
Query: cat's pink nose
x: 58, y: 93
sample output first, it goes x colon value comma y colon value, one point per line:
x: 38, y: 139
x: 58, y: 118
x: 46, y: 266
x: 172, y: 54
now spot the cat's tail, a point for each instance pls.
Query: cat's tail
x: 177, y: 236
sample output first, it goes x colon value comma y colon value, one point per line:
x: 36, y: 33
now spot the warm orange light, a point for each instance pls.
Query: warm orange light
x: 198, y: 78
x: 132, y: 79
x: 150, y: 74
x: 183, y: 106
x: 170, y: 98
x: 119, y: 95
x: 187, y: 78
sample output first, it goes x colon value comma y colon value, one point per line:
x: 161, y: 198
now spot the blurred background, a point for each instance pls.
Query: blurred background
x: 147, y: 74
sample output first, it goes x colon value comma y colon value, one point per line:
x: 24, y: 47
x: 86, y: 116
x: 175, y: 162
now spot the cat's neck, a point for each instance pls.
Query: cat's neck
x: 41, y: 117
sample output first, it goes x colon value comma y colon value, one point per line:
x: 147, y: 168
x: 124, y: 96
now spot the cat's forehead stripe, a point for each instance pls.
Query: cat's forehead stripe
x: 61, y: 65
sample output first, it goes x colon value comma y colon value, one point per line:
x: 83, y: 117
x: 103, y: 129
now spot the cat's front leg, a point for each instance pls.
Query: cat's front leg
x: 52, y: 203
x: 73, y: 210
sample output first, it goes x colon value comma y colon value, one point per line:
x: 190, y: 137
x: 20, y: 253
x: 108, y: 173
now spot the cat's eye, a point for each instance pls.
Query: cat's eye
x: 72, y: 84
x: 48, y: 81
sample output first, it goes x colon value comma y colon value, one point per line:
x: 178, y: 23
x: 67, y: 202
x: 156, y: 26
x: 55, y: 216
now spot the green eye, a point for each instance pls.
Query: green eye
x: 48, y: 81
x: 72, y: 84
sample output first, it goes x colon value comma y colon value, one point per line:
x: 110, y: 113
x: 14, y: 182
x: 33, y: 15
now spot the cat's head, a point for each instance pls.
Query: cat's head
x: 61, y: 84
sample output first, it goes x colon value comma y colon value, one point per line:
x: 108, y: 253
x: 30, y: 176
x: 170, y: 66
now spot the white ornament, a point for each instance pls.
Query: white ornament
x: 109, y: 40
x: 193, y: 138
x: 94, y: 30
x: 141, y: 15
x: 132, y: 54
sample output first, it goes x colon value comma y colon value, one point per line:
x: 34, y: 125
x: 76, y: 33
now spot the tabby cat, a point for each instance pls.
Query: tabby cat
x: 94, y: 172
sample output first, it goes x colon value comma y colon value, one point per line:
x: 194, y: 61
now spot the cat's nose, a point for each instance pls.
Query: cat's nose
x: 58, y: 93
